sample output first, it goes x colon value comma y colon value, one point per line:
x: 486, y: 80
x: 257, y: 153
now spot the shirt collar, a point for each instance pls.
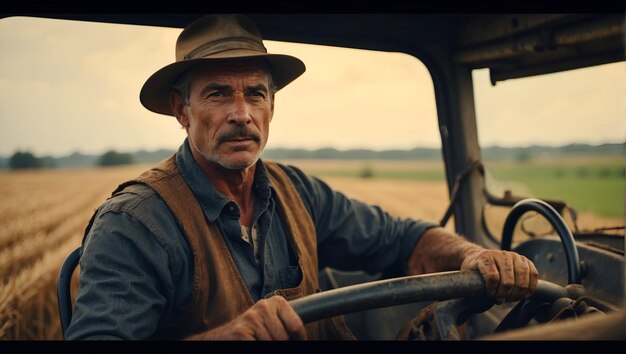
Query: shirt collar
x: 212, y: 201
x: 262, y: 184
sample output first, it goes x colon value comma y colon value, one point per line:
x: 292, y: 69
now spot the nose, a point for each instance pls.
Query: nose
x: 239, y: 111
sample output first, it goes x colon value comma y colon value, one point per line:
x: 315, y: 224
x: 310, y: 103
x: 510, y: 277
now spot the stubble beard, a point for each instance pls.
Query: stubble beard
x: 226, y: 162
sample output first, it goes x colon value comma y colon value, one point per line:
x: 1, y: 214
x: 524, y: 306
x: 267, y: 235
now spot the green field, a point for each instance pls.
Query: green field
x: 586, y: 183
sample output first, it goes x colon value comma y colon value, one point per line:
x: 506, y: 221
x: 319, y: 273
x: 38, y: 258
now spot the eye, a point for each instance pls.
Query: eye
x: 215, y: 94
x: 256, y: 94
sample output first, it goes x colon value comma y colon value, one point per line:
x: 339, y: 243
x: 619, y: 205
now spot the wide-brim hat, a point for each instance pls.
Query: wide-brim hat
x: 215, y: 38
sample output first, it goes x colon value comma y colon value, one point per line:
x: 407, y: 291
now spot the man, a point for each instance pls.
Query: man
x: 213, y: 242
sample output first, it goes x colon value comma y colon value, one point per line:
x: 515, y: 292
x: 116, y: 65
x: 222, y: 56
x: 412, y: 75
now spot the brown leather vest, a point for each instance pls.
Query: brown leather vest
x: 219, y: 293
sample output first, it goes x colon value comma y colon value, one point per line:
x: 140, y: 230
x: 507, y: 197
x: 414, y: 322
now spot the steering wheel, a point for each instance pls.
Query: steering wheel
x: 567, y: 239
x: 466, y: 290
x: 458, y: 293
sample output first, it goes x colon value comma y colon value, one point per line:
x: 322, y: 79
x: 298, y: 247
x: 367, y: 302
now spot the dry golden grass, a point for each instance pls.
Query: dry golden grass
x: 355, y: 165
x: 42, y: 218
x: 43, y: 215
x: 427, y: 200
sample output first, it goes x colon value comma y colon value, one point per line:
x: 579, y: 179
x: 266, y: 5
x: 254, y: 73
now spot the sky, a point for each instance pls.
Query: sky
x: 67, y: 86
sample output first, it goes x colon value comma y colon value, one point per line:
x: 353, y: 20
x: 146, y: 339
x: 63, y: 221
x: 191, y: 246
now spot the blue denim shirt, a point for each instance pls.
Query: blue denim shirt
x: 136, y: 268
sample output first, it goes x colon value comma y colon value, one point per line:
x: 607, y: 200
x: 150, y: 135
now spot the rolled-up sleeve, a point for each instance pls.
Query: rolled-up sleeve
x: 354, y: 235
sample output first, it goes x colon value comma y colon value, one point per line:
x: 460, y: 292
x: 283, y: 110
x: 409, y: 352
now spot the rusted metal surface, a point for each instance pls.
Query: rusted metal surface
x: 448, y: 315
x: 543, y: 40
x: 596, y: 326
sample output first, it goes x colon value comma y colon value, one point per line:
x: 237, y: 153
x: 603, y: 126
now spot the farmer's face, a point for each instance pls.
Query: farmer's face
x: 229, y: 112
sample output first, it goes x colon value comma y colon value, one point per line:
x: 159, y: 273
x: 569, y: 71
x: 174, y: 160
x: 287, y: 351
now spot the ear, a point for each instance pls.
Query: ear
x: 177, y: 102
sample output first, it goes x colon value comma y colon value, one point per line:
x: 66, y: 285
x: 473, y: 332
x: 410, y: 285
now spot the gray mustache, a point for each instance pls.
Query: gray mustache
x: 239, y: 132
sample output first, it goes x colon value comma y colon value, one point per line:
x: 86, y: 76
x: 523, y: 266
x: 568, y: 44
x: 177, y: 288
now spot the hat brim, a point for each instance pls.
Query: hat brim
x: 154, y: 94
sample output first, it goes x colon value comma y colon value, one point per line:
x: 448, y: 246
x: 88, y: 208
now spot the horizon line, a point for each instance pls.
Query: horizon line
x: 136, y: 150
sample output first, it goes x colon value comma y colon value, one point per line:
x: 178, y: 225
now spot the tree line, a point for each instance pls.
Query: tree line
x: 27, y: 160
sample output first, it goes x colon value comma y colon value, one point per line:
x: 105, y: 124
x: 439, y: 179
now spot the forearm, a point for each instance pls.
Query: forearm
x: 439, y: 250
x: 355, y: 235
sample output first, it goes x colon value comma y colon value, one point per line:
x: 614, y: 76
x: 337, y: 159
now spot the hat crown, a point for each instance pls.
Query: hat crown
x: 214, y: 34
x: 216, y: 39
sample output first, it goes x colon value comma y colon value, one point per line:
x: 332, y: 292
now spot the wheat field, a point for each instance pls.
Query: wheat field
x: 42, y: 218
x: 43, y: 215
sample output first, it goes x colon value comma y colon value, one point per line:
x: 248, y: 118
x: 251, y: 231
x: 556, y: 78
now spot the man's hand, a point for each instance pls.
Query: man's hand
x: 508, y: 276
x: 268, y: 319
